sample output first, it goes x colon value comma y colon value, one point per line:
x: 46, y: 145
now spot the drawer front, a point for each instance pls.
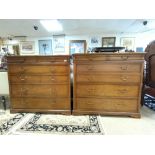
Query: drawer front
x: 107, y: 57
x: 115, y: 67
x: 38, y: 79
x: 125, y: 78
x: 40, y: 103
x: 38, y: 59
x: 83, y: 90
x: 107, y: 105
x: 34, y: 69
x: 40, y: 90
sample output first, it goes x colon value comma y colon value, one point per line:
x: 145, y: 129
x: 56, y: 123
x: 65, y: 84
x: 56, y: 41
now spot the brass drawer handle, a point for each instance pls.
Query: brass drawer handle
x: 23, y: 71
x: 90, y: 78
x: 124, y: 67
x: 122, y: 91
x: 124, y: 78
x: 23, y: 78
x: 52, y: 70
x: 52, y: 79
x: 24, y: 89
x: 90, y: 68
x: 53, y: 102
x: 91, y: 91
x: 124, y: 57
x: 90, y: 59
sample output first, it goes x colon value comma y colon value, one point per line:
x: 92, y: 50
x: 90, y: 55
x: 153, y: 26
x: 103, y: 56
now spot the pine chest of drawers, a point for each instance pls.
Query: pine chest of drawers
x: 39, y: 84
x: 108, y: 84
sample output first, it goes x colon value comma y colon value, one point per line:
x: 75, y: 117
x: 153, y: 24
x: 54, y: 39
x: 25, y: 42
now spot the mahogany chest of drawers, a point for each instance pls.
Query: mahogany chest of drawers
x: 39, y: 84
x: 108, y: 84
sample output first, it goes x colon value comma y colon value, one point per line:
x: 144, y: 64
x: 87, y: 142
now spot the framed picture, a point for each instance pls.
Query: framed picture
x: 77, y: 46
x: 27, y: 47
x: 58, y: 44
x: 45, y: 47
x: 108, y: 41
x: 94, y: 41
x: 128, y: 43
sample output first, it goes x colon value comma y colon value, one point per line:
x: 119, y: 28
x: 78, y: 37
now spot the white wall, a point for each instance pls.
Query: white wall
x: 4, y: 86
x: 141, y: 40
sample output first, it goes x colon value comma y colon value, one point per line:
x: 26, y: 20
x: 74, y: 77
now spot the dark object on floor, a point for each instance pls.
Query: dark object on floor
x: 149, y: 101
x: 3, y: 101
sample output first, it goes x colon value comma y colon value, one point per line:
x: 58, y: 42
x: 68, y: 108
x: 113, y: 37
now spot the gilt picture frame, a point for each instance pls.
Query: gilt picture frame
x: 27, y: 47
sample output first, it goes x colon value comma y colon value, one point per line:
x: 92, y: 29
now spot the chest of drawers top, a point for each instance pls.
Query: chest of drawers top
x: 108, y: 57
x: 61, y: 59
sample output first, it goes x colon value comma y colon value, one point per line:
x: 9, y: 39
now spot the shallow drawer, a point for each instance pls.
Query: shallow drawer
x: 83, y: 90
x: 38, y: 59
x: 108, y: 78
x: 40, y: 103
x: 32, y: 79
x: 109, y: 67
x: 44, y: 90
x: 42, y: 69
x: 108, y: 105
x: 108, y: 57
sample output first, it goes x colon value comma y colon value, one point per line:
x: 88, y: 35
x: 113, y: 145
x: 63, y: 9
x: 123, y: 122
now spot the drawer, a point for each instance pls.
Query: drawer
x: 84, y: 90
x: 109, y: 67
x: 43, y: 90
x: 108, y: 57
x: 36, y: 69
x: 32, y: 79
x: 125, y: 78
x: 40, y: 103
x: 38, y: 59
x: 107, y: 105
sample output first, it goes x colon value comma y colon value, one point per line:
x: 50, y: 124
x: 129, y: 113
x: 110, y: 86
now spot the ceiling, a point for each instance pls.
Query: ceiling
x: 25, y: 27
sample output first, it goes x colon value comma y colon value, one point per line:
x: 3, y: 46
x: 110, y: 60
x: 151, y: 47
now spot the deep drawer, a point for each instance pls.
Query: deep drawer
x: 125, y: 78
x: 107, y: 67
x: 107, y: 105
x: 40, y: 103
x: 44, y: 90
x: 88, y: 90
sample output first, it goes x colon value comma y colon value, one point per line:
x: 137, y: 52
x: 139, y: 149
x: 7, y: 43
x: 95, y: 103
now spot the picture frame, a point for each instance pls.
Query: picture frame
x: 128, y: 43
x: 94, y: 41
x: 27, y: 47
x: 77, y: 46
x: 58, y: 44
x: 108, y: 41
x: 45, y: 47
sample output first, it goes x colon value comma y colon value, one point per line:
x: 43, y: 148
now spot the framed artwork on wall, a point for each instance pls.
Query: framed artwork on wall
x: 128, y: 43
x: 94, y: 41
x: 45, y: 47
x: 27, y: 47
x: 108, y: 41
x: 77, y: 46
x: 58, y: 44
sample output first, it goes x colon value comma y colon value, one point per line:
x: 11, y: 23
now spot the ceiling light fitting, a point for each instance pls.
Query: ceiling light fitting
x: 51, y: 25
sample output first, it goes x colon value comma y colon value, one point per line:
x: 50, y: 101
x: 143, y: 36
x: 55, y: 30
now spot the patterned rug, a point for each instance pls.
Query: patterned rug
x: 19, y: 124
x: 149, y: 101
x: 9, y: 121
